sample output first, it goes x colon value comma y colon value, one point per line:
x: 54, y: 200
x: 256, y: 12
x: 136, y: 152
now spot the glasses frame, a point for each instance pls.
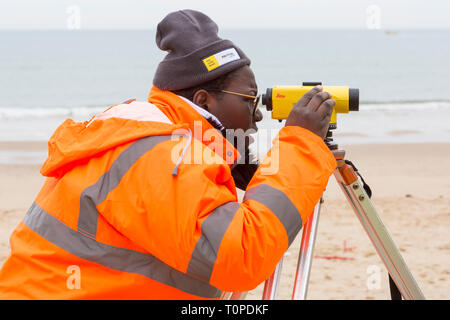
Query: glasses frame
x: 255, y: 98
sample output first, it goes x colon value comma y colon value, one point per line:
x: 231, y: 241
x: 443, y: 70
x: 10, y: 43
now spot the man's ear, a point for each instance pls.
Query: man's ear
x: 201, y: 99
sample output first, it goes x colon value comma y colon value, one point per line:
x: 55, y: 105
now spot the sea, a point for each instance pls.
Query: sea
x: 403, y: 77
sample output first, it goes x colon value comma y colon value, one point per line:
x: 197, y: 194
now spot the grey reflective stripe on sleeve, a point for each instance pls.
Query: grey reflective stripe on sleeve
x: 96, y: 193
x: 278, y: 202
x: 116, y: 258
x: 205, y: 251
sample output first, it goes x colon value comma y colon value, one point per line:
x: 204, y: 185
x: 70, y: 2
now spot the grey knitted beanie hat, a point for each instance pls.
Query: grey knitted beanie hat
x: 196, y: 54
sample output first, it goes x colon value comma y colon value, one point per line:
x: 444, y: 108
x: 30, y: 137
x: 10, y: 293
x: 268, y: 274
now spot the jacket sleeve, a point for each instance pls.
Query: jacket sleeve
x: 278, y: 201
x: 194, y: 223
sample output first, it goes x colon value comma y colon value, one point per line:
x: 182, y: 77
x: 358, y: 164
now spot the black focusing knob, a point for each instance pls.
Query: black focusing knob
x: 266, y: 99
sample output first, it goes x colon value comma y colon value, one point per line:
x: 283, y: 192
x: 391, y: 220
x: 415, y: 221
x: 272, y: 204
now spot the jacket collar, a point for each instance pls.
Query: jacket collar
x: 181, y: 111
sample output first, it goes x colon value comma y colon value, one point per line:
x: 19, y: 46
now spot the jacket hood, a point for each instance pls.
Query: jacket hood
x: 75, y: 142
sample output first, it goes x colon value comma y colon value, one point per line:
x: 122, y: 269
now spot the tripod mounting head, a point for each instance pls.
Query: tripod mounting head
x: 329, y: 140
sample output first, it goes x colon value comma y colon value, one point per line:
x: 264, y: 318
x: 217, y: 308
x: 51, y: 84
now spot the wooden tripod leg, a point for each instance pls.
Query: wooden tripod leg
x: 375, y: 229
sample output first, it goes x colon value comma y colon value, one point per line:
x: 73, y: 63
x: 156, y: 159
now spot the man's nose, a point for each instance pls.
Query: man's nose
x: 258, y: 115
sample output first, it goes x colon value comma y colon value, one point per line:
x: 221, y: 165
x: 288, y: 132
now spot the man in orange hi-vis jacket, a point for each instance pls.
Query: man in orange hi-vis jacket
x: 138, y: 205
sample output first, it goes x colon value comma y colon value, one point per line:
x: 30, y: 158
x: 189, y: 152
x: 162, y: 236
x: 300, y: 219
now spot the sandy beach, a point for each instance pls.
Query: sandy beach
x: 411, y: 192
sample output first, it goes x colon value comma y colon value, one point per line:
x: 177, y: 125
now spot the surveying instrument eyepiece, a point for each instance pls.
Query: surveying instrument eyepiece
x: 281, y: 99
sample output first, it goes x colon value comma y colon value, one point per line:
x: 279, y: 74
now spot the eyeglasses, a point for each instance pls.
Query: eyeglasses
x: 255, y: 98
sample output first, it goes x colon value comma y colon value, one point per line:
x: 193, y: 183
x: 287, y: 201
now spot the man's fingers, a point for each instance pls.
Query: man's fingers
x: 309, y: 95
x: 318, y: 99
x: 326, y: 108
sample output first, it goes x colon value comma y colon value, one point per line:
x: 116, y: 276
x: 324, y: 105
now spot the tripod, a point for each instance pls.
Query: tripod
x: 358, y: 195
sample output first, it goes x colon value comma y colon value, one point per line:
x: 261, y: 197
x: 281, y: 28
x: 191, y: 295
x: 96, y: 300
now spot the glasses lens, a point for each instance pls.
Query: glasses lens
x: 255, y: 105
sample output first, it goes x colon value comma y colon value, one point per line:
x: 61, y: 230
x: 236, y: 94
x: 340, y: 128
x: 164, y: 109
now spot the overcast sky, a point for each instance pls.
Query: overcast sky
x: 145, y: 14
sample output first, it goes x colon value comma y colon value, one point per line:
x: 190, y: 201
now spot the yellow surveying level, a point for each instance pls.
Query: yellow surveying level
x: 281, y: 99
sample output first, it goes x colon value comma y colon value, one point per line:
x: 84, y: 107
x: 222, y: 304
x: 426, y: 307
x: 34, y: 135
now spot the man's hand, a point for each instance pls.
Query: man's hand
x: 313, y: 111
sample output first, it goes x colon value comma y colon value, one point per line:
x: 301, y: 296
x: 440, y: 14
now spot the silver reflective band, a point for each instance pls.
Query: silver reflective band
x: 213, y: 228
x: 116, y: 258
x: 97, y: 193
x: 278, y: 202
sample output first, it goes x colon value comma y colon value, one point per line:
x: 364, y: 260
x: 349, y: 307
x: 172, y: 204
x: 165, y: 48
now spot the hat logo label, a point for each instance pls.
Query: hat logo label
x: 221, y: 58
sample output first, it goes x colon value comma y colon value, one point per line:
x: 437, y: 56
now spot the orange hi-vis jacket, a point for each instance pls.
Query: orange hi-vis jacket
x: 130, y: 211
